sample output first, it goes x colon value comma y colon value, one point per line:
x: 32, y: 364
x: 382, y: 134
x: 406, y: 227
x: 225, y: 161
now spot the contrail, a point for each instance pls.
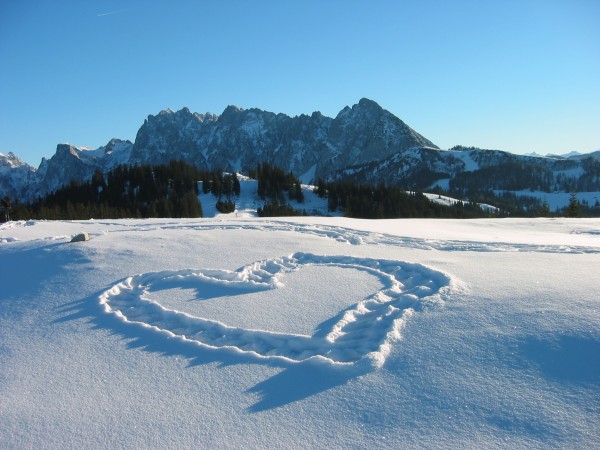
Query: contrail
x: 111, y: 13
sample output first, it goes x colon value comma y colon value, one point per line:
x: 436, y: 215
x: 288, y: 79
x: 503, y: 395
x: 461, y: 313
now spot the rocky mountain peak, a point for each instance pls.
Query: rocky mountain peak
x: 12, y: 161
x: 231, y: 110
x: 367, y: 103
x: 63, y: 150
x: 238, y: 139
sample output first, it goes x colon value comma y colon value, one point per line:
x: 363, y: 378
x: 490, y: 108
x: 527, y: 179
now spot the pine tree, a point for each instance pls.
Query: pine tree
x: 321, y: 188
x: 573, y: 210
x: 546, y: 209
x: 236, y: 185
x: 298, y: 194
x: 6, y: 206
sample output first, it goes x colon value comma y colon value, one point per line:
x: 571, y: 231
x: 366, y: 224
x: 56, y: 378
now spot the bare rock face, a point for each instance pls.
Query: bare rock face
x: 81, y: 237
x: 240, y: 138
x: 364, y: 142
x: 16, y: 176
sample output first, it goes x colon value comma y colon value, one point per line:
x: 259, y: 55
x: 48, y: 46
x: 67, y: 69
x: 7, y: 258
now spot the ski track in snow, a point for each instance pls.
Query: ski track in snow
x: 357, y: 237
x: 361, y: 338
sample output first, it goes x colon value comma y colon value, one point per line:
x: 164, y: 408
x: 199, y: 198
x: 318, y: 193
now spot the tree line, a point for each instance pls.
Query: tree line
x: 274, y: 183
x: 139, y: 191
x: 171, y: 190
x: 277, y: 187
x: 367, y: 201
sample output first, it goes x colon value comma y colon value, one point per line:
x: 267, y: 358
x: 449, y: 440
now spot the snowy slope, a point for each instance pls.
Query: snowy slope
x: 240, y: 332
x: 449, y: 201
x: 248, y: 201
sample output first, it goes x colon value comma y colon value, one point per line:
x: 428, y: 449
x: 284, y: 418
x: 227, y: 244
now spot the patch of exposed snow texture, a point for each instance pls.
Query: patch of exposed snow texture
x: 470, y: 164
x: 362, y: 335
x: 242, y: 332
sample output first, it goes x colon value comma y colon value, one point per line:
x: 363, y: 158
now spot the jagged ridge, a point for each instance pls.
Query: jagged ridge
x: 364, y: 142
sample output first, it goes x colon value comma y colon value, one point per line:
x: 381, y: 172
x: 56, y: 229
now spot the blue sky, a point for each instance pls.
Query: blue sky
x: 520, y: 76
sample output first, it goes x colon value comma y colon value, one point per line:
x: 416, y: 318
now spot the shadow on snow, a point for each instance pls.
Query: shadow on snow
x: 296, y: 381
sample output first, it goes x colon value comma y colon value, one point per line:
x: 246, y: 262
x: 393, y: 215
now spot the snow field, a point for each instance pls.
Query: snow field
x: 364, y: 332
x: 507, y: 357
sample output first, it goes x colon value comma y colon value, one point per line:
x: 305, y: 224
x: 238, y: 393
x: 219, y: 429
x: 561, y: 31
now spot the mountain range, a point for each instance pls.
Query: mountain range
x: 364, y: 142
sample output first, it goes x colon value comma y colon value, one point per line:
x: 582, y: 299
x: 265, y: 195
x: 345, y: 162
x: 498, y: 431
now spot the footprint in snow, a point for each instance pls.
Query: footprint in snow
x: 363, y: 335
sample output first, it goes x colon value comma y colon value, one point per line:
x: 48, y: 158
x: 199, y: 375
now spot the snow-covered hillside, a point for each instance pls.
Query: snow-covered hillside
x: 326, y: 332
x: 248, y: 201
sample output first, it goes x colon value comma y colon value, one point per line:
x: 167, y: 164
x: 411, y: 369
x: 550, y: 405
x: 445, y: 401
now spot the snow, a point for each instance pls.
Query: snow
x: 245, y: 205
x: 11, y: 161
x: 309, y: 175
x: 248, y: 201
x: 362, y: 335
x: 449, y: 201
x: 252, y: 126
x: 465, y: 157
x: 441, y: 199
x: 310, y: 332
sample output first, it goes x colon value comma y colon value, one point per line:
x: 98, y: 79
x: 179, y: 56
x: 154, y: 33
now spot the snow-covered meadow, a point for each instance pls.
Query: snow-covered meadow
x: 241, y: 332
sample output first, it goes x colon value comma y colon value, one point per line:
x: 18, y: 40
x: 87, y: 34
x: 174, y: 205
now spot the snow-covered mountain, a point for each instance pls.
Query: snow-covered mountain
x: 595, y: 155
x: 310, y: 146
x: 564, y: 155
x: 570, y: 155
x: 470, y: 169
x: 78, y: 163
x: 307, y: 145
x: 364, y: 142
x: 15, y: 176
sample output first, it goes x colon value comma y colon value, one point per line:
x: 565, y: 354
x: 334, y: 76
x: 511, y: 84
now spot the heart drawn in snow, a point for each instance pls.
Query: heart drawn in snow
x: 363, y: 335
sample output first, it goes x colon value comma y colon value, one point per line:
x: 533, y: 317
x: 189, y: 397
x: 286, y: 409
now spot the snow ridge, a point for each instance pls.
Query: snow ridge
x: 353, y: 236
x: 361, y: 337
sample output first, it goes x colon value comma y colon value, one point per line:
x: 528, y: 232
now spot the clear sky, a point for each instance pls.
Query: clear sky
x: 520, y: 76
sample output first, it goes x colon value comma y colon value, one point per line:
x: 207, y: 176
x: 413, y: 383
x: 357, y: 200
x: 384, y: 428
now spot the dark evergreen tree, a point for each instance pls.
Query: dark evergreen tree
x: 225, y: 206
x: 6, y: 207
x: 273, y: 183
x: 275, y: 209
x: 236, y: 185
x: 321, y: 189
x: 574, y: 209
x: 296, y: 193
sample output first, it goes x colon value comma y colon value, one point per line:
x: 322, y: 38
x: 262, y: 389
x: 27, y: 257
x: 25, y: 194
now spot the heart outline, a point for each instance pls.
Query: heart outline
x: 362, y: 337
